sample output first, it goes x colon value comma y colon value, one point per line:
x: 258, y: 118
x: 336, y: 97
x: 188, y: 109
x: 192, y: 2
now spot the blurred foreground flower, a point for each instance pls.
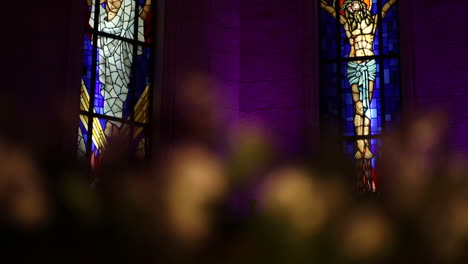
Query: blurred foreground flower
x: 195, y: 184
x: 251, y: 152
x: 446, y: 226
x: 300, y: 200
x: 366, y: 234
x: 22, y: 189
x: 199, y: 107
x: 411, y: 159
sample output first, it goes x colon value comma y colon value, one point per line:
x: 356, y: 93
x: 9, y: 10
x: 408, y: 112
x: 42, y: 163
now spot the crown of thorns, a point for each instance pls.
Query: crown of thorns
x: 347, y: 3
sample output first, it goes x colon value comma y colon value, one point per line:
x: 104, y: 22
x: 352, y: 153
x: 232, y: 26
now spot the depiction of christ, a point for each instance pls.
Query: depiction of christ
x: 117, y: 17
x: 360, y: 26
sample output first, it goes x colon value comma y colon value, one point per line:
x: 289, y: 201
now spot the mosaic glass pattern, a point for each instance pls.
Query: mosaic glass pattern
x: 348, y: 105
x: 365, y: 177
x: 390, y: 32
x: 143, y: 86
x: 328, y: 32
x: 345, y: 46
x: 101, y: 136
x: 82, y: 139
x: 86, y: 73
x: 366, y: 98
x: 141, y: 142
x: 118, y: 18
x: 330, y: 105
x: 392, y: 91
x: 116, y: 80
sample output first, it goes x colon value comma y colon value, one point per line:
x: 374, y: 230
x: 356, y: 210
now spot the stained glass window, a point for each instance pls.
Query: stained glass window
x: 116, y: 81
x: 360, y: 85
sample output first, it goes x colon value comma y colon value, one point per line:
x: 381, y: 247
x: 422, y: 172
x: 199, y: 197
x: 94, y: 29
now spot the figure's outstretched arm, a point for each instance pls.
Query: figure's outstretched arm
x: 331, y: 10
x: 90, y: 2
x: 387, y: 7
x: 146, y: 10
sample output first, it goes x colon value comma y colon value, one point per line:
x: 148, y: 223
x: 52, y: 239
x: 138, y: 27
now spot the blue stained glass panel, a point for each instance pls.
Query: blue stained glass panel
x: 328, y: 39
x: 86, y: 73
x: 392, y: 91
x: 390, y: 31
x: 375, y: 7
x: 349, y: 149
x: 143, y: 85
x: 329, y: 102
x: 82, y: 139
x: 87, y: 87
x: 375, y: 147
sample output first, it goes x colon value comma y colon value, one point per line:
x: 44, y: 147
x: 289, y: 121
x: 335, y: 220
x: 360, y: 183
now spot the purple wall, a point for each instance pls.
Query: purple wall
x: 271, y: 91
x: 223, y: 40
x: 440, y: 56
x: 255, y: 50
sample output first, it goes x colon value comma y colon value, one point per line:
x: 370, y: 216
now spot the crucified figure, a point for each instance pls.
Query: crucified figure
x: 360, y: 26
x: 117, y: 17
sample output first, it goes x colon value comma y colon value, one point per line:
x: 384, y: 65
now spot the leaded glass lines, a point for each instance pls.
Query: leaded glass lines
x: 359, y: 45
x: 117, y: 66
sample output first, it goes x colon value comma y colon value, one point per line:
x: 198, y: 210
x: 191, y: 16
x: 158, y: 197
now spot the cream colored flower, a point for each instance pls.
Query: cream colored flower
x: 21, y: 188
x: 366, y: 234
x: 195, y: 181
x: 294, y: 196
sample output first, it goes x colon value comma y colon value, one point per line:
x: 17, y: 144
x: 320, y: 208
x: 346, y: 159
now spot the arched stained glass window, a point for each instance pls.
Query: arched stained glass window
x: 116, y: 81
x: 360, y: 85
